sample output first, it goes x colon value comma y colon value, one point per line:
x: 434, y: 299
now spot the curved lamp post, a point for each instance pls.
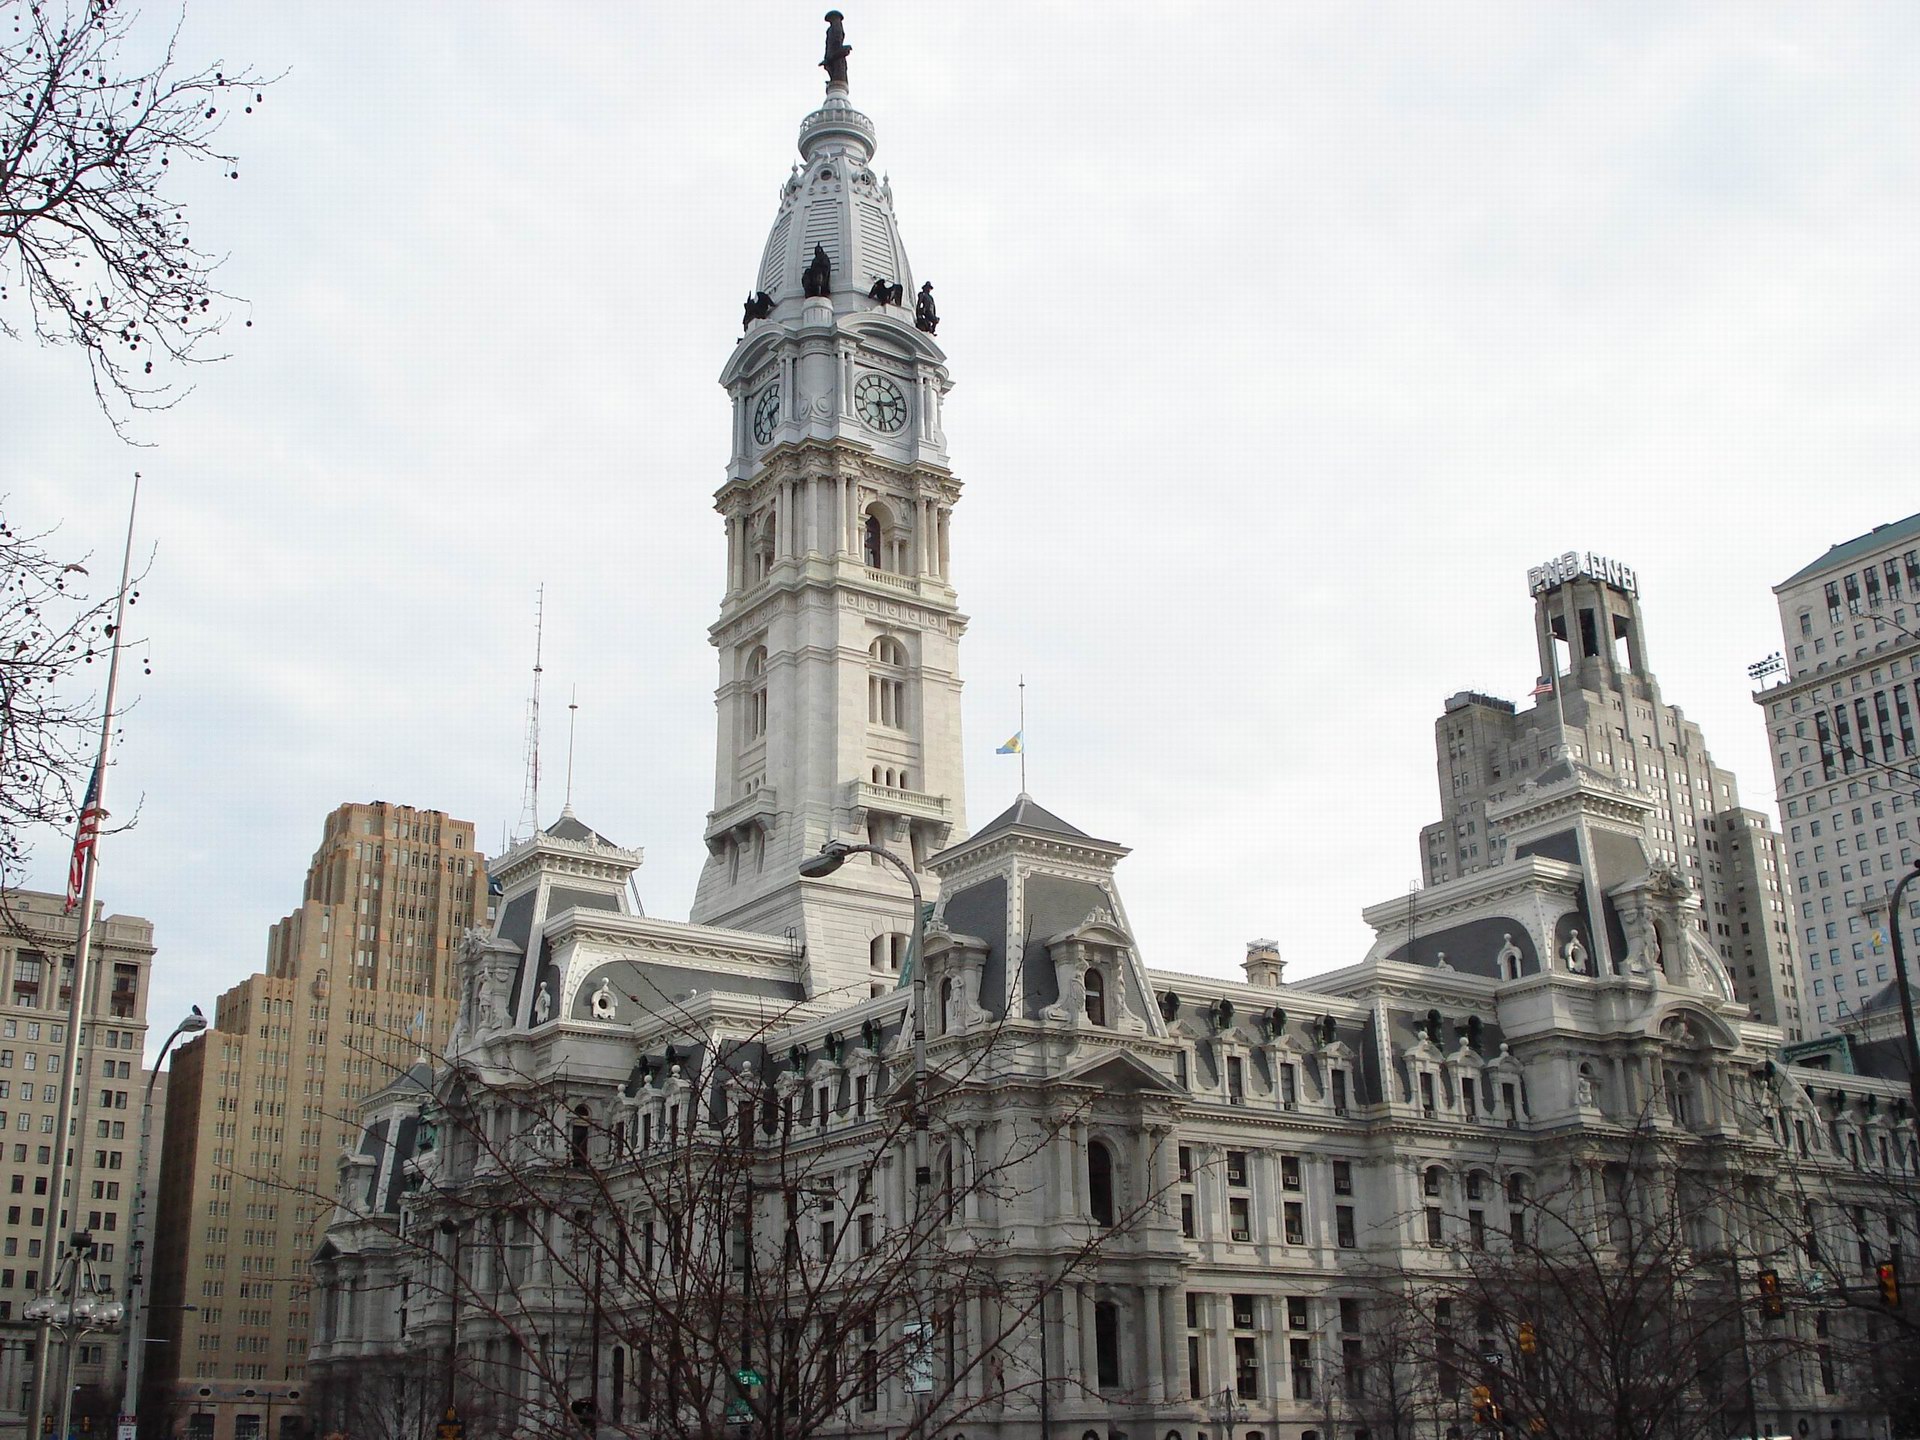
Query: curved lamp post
x: 135, y: 1358
x: 1906, y: 987
x: 832, y: 856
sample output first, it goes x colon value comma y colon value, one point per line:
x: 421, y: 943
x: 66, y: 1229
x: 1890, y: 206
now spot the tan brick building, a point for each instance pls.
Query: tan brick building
x: 259, y: 1106
x: 36, y: 979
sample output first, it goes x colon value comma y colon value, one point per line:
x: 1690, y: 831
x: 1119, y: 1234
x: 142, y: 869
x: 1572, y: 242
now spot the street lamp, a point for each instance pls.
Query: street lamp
x: 135, y: 1357
x: 77, y: 1303
x: 832, y: 856
x: 1894, y: 920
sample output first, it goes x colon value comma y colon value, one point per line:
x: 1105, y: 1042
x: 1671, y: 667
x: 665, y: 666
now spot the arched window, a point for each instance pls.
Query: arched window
x: 1431, y: 1181
x: 1096, y: 985
x: 946, y: 1005
x: 757, y: 693
x: 886, y: 683
x: 582, y: 1129
x: 1100, y: 1182
x: 871, y: 541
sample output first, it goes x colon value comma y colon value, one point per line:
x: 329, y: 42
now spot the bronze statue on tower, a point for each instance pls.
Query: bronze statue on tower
x: 835, y: 63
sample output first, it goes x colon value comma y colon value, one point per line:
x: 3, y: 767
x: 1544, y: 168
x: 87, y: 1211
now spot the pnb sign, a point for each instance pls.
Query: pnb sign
x: 1582, y: 562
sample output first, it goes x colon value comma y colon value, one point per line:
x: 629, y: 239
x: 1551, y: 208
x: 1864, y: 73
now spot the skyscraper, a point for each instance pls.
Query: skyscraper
x: 258, y: 1107
x: 1599, y: 707
x: 1841, y: 728
x: 36, y: 971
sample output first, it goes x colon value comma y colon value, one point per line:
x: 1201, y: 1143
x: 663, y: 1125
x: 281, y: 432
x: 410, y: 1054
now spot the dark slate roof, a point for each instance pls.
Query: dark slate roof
x: 1849, y: 551
x: 568, y: 827
x: 1024, y: 814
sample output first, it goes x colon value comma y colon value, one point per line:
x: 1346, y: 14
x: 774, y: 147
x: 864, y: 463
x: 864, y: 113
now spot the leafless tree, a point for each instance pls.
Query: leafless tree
x: 385, y: 1399
x: 1611, y: 1296
x: 52, y: 638
x: 753, y: 1249
x: 93, y: 252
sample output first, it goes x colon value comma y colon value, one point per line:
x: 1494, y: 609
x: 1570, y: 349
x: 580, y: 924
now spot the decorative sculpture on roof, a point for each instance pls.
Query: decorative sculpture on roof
x: 835, y: 61
x: 542, y: 1004
x: 817, y: 279
x: 1576, y: 954
x: 759, y: 305
x: 888, y: 292
x: 604, y: 1005
x: 925, y: 317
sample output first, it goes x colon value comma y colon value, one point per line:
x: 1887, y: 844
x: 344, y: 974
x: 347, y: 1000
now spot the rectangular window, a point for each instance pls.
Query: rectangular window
x: 1434, y: 1233
x: 1246, y: 1367
x: 1289, y: 1172
x: 1343, y: 1177
x: 1186, y: 1216
x: 1236, y: 1167
x: 1106, y: 1344
x: 1239, y: 1223
x: 1300, y: 1355
x: 1296, y: 1222
x: 1343, y: 1226
x: 1243, y: 1308
x: 1339, y: 1092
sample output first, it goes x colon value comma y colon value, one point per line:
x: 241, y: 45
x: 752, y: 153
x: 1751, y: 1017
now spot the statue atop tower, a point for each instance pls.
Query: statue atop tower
x: 835, y: 63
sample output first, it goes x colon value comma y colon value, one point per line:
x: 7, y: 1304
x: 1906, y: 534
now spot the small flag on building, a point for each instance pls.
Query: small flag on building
x: 85, y: 837
x: 1015, y: 746
x: 1545, y: 687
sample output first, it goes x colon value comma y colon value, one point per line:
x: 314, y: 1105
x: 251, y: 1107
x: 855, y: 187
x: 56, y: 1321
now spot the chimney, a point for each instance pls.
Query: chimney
x: 1263, y: 963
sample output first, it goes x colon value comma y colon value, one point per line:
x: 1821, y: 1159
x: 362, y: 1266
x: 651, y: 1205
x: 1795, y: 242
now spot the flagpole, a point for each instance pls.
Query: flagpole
x: 51, y: 1249
x: 1023, y: 734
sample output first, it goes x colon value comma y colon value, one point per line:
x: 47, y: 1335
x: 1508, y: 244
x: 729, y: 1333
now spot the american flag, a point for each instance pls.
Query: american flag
x: 1545, y: 687
x: 85, y: 838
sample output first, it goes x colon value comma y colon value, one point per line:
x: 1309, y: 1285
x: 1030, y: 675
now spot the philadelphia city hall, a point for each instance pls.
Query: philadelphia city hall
x: 901, y: 1134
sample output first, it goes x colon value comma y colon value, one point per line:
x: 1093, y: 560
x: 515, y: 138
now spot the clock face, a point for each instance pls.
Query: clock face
x: 880, y: 403
x: 766, y: 414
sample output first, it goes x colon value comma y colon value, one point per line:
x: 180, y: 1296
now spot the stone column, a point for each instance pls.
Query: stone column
x: 839, y: 516
x: 946, y: 543
x: 1089, y: 1360
x: 1153, y: 1349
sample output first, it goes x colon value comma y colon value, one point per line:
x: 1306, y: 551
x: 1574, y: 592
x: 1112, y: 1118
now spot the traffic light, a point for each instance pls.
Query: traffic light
x: 1889, y: 1277
x: 1772, y: 1304
x: 1485, y: 1411
x: 1528, y: 1342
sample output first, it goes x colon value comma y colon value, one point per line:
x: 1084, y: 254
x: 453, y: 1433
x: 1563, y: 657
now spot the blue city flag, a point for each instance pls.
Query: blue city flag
x: 1014, y: 746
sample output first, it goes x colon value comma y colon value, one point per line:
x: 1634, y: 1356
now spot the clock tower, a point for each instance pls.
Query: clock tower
x: 838, y: 637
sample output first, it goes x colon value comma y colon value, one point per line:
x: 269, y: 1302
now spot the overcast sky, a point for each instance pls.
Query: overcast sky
x: 1286, y: 337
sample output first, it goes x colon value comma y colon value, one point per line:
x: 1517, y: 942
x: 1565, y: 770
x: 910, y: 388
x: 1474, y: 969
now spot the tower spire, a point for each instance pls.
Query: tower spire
x: 530, y: 791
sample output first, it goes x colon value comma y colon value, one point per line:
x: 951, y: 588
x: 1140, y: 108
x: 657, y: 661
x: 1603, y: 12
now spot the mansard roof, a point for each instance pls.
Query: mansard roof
x: 1025, y: 814
x: 1848, y: 551
x: 568, y: 827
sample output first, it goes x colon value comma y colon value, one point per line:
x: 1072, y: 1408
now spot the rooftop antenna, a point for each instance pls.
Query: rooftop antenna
x: 573, y: 710
x: 530, y: 795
